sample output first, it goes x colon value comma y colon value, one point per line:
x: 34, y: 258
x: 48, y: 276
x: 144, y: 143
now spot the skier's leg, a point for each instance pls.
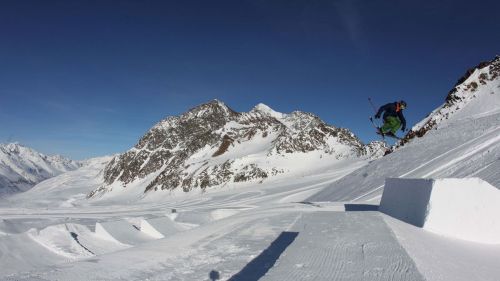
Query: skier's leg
x: 395, y: 124
x: 387, y: 126
x: 391, y: 124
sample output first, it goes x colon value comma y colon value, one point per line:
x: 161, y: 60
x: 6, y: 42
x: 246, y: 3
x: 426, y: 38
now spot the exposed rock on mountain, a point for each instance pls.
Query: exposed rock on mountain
x: 482, y: 80
x: 212, y: 144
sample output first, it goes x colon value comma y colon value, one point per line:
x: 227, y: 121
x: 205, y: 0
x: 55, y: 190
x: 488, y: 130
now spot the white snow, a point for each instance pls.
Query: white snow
x: 459, y: 208
x: 59, y: 240
x: 440, y: 258
x: 160, y: 227
x: 122, y: 231
x: 264, y: 109
x: 22, y: 167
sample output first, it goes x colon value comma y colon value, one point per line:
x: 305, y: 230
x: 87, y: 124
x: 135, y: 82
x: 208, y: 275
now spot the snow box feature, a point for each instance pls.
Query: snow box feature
x: 460, y: 208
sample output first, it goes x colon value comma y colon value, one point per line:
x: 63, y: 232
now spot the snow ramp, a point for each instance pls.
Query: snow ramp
x: 122, y: 231
x: 160, y: 227
x: 460, y: 208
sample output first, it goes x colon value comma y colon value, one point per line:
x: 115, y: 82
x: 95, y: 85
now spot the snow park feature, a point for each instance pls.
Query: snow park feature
x: 460, y: 208
x: 122, y: 231
x: 160, y: 227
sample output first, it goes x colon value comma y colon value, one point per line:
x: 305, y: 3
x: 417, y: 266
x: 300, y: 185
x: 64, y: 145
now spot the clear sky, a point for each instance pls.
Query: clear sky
x: 89, y: 78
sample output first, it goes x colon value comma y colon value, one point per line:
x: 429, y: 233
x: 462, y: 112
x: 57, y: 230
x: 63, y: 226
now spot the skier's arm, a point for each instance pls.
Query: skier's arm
x: 402, y: 119
x: 382, y: 109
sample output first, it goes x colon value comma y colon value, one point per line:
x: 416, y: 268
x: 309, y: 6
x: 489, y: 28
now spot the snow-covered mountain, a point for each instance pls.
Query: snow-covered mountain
x: 22, y: 167
x: 212, y: 144
x: 460, y: 138
x: 476, y: 93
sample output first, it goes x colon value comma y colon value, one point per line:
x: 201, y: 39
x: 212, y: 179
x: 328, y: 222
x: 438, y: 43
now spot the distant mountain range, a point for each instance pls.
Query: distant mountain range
x: 22, y: 167
x: 212, y: 145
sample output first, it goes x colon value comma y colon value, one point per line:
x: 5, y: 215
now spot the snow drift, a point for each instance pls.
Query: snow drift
x: 461, y: 208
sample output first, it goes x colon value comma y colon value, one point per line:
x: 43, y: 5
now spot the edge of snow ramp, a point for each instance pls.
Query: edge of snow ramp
x: 460, y: 208
x: 123, y: 232
x: 160, y: 227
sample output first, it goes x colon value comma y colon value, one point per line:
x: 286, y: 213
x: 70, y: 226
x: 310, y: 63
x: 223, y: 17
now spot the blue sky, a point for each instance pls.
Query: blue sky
x: 89, y: 78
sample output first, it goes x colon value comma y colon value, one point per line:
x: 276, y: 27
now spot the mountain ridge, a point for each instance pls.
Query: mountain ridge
x: 211, y: 144
x: 465, y: 90
x: 22, y: 167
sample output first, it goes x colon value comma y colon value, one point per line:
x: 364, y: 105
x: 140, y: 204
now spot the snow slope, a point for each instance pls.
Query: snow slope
x: 458, y: 139
x: 22, y: 167
x: 64, y: 190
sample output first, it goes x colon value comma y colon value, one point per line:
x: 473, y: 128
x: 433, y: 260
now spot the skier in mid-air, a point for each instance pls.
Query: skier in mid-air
x: 393, y: 118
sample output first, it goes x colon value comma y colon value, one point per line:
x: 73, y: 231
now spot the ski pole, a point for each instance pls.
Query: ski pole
x: 374, y: 109
x: 373, y: 106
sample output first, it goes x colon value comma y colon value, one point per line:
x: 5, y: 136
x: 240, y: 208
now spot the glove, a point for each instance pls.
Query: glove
x: 377, y: 116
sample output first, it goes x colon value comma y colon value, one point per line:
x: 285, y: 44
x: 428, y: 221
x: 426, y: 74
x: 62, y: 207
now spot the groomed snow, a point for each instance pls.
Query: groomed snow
x: 460, y: 208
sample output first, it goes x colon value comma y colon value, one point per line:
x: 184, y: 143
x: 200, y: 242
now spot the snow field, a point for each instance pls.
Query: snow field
x: 460, y: 208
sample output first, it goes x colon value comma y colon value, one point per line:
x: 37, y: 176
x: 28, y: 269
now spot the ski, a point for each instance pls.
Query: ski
x: 387, y: 135
x: 377, y: 128
x: 378, y: 132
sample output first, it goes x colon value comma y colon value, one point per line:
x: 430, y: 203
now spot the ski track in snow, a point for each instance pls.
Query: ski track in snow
x: 354, y: 246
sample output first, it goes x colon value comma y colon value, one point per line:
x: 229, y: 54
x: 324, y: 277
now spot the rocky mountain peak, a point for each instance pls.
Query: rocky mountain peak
x: 267, y: 111
x: 16, y: 147
x: 214, y: 108
x: 478, y: 83
x: 211, y: 145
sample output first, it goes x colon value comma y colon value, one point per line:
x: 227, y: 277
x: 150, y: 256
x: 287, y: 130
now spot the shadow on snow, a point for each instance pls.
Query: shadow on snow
x: 259, y: 266
x: 360, y: 207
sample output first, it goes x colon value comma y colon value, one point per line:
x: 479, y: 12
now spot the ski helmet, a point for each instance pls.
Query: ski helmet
x: 402, y: 103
